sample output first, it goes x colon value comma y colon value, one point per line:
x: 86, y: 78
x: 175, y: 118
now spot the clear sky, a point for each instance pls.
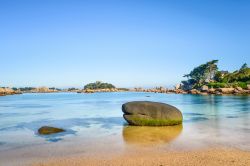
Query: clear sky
x: 128, y: 43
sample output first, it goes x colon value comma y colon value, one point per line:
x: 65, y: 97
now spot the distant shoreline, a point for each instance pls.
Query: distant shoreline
x: 211, y: 91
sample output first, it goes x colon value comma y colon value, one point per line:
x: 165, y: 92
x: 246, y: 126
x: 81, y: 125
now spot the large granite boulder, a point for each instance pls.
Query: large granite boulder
x: 212, y: 91
x: 204, y: 88
x: 226, y: 90
x: 145, y: 113
x: 177, y: 86
x: 46, y: 130
x: 194, y: 92
x: 239, y: 88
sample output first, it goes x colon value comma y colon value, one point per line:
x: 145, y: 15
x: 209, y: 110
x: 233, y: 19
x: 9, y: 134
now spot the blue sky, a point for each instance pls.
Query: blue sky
x: 66, y: 43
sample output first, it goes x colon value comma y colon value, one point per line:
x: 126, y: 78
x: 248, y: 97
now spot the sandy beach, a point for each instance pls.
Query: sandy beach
x: 213, y: 157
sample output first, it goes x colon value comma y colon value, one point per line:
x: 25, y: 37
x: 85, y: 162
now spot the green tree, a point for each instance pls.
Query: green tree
x: 212, y: 69
x: 218, y: 76
x: 243, y: 67
x: 241, y: 75
x: 208, y: 74
x: 14, y: 88
x: 203, y: 73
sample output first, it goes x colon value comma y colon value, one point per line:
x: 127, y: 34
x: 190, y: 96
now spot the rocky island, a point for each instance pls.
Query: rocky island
x: 99, y: 86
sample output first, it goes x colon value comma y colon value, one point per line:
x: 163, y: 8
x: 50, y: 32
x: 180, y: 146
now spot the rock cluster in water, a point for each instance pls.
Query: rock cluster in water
x: 145, y: 113
x: 204, y: 90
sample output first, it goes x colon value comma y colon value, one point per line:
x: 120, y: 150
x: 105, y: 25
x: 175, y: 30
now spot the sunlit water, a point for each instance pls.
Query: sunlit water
x: 94, y: 121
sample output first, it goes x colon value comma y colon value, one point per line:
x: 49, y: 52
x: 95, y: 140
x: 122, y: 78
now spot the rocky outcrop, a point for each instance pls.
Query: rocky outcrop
x: 238, y: 89
x: 44, y: 90
x: 226, y: 90
x: 145, y: 113
x: 179, y: 91
x: 46, y: 130
x: 204, y: 88
x: 177, y: 86
x: 211, y: 91
x: 8, y: 91
x: 194, y: 91
x: 154, y: 90
x: 99, y: 90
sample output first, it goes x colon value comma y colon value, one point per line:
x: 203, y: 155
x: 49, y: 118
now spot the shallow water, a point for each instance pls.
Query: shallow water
x: 94, y: 121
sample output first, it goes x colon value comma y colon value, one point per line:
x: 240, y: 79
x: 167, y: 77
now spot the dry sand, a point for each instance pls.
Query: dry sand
x: 213, y: 157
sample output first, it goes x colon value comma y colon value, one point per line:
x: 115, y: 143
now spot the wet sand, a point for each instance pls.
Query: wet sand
x: 140, y: 146
x: 212, y: 156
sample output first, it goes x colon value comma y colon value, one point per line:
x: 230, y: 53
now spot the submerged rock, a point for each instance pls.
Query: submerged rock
x: 46, y: 130
x: 145, y: 113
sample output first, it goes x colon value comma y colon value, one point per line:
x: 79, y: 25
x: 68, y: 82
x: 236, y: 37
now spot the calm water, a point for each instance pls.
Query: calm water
x: 95, y: 120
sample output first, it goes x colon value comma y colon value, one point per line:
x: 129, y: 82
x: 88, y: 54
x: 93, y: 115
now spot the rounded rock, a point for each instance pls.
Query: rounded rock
x: 46, y: 130
x: 146, y: 113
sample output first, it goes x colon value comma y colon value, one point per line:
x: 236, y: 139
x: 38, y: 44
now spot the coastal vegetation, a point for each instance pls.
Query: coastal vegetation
x: 26, y: 89
x: 209, y: 75
x: 99, y: 85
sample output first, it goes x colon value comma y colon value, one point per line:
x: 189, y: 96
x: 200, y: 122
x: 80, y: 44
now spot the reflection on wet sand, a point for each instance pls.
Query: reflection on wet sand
x: 143, y: 135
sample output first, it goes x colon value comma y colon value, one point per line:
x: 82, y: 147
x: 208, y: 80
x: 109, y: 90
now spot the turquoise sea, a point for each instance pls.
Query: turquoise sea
x: 94, y: 122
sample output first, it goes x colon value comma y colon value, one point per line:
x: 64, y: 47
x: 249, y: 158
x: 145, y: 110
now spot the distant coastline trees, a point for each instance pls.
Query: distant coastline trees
x: 27, y: 89
x: 202, y: 74
x: 99, y: 85
x: 208, y: 74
